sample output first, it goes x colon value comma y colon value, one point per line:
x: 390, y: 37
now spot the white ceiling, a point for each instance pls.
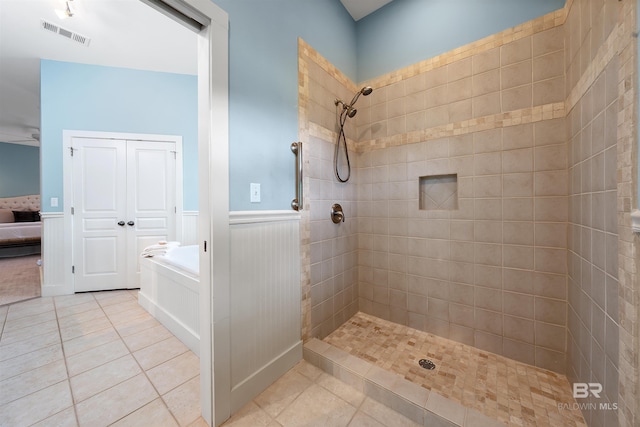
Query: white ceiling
x: 358, y: 9
x: 123, y: 33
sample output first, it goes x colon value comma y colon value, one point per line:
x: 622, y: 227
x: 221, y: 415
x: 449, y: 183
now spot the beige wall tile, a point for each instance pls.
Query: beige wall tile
x: 517, y: 74
x: 548, y: 66
x: 548, y: 91
x: 518, y: 257
x: 518, y: 185
x: 486, y: 105
x: 486, y: 60
x: 516, y: 51
x: 518, y: 209
x: 518, y: 328
x: 548, y: 41
x: 517, y: 98
x: 459, y: 69
x: 486, y: 82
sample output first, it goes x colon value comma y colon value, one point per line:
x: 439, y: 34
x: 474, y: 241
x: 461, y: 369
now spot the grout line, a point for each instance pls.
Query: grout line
x: 66, y: 367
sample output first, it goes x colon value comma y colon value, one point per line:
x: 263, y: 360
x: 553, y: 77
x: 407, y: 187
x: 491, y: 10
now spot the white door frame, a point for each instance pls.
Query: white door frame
x: 213, y: 193
x: 213, y: 220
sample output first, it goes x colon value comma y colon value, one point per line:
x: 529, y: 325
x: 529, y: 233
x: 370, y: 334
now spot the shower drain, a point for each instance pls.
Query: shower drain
x: 427, y: 364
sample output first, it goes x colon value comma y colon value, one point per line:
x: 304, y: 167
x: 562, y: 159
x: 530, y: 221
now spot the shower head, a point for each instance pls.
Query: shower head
x: 366, y: 91
x: 351, y: 112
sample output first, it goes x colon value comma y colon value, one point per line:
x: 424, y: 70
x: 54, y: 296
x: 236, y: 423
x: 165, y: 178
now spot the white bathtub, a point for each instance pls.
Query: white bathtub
x: 169, y: 291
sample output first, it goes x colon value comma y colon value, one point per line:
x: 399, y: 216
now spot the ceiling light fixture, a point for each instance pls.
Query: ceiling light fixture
x: 68, y: 11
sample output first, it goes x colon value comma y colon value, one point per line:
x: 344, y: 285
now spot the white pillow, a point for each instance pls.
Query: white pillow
x: 6, y: 215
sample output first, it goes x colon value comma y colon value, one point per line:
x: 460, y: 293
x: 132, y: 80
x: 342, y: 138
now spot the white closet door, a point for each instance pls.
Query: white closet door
x: 99, y: 203
x: 151, y: 204
x: 124, y: 198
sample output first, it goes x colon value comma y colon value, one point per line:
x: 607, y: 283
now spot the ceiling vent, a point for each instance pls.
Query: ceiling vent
x: 63, y: 32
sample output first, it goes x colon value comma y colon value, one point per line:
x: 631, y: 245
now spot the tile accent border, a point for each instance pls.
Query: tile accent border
x: 500, y: 120
x: 545, y: 22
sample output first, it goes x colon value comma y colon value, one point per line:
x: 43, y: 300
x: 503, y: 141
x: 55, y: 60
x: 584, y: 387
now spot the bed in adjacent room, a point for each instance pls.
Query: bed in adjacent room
x: 20, y: 226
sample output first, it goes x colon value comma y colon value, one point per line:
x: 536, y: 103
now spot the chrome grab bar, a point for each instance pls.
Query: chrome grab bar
x: 297, y: 203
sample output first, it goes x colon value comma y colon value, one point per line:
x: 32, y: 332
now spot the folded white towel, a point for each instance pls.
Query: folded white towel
x: 161, y: 248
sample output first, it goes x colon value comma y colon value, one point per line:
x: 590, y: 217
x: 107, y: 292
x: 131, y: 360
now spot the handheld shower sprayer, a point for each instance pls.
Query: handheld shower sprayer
x: 347, y: 112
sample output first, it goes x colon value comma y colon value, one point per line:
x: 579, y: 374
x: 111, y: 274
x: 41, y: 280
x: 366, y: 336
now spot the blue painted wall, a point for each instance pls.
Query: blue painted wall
x: 95, y: 98
x: 263, y: 67
x: 408, y: 31
x: 263, y: 80
x: 19, y: 170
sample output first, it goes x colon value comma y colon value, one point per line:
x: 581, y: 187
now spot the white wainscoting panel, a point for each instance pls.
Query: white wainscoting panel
x: 265, y: 300
x: 189, y: 228
x: 54, y: 265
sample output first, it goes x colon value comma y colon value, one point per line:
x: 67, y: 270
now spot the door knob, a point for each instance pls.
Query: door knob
x: 131, y: 223
x: 121, y: 223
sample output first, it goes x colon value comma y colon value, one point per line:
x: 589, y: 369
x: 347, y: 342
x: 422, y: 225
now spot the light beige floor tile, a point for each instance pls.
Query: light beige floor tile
x: 200, y: 422
x: 340, y: 389
x: 28, y: 332
x: 113, y: 297
x: 137, y: 325
x: 37, y: 406
x: 77, y: 309
x: 75, y: 299
x: 160, y: 352
x: 385, y: 415
x: 184, y: 401
x: 174, y: 372
x: 250, y: 415
x: 84, y: 327
x: 115, y: 403
x: 29, y: 361
x: 98, y: 379
x: 146, y: 338
x: 82, y: 318
x: 129, y: 317
x: 29, y: 308
x: 282, y: 392
x: 319, y: 407
x: 89, y: 341
x: 26, y: 321
x: 95, y: 357
x: 31, y: 381
x: 124, y: 308
x: 30, y: 344
x: 66, y: 418
x: 308, y: 370
x: 360, y: 419
x: 153, y: 414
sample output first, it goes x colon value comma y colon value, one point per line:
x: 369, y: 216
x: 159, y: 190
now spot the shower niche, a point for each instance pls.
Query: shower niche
x: 438, y: 192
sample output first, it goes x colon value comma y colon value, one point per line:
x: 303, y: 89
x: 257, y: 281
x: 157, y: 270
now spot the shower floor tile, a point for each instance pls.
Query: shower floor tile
x: 514, y: 393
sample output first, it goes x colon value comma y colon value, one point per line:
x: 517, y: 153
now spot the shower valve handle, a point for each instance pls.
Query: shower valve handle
x: 337, y: 215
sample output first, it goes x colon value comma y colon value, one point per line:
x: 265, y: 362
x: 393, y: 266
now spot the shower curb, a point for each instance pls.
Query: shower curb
x: 422, y: 406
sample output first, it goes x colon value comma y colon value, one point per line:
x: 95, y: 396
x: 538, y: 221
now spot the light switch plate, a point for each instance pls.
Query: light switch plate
x: 255, y: 192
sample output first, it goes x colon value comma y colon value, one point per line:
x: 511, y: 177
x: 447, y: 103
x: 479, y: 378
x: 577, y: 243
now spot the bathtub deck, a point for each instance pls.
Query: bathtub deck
x: 507, y: 391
